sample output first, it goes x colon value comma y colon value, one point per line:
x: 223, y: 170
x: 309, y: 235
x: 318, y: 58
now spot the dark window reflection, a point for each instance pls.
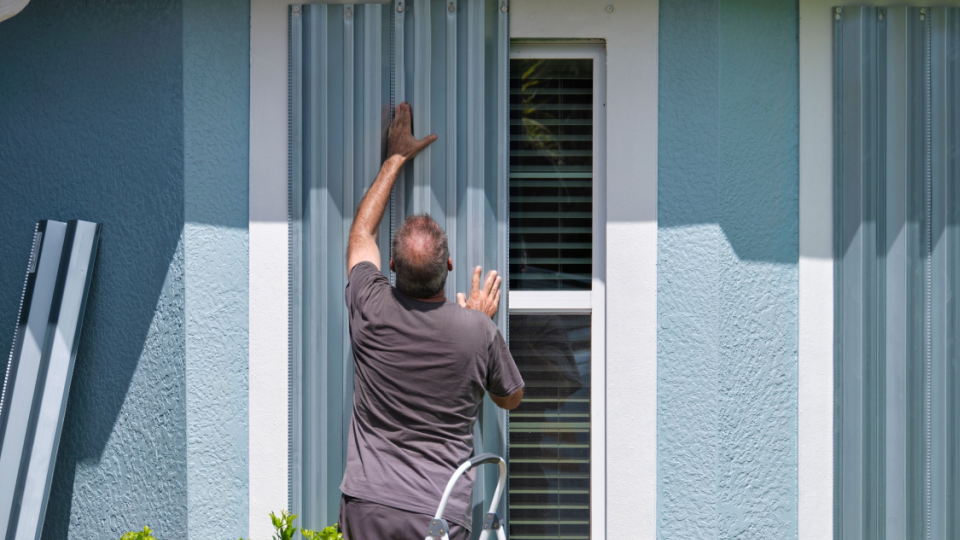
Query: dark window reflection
x: 551, y: 174
x: 550, y: 431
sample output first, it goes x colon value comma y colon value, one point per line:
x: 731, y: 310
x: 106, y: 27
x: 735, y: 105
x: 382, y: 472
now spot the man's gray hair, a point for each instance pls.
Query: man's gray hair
x: 420, y: 254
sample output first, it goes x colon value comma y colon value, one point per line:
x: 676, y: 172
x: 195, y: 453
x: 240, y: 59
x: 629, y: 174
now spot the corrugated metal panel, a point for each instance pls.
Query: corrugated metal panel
x: 349, y: 66
x: 37, y: 380
x: 339, y: 112
x: 897, y: 272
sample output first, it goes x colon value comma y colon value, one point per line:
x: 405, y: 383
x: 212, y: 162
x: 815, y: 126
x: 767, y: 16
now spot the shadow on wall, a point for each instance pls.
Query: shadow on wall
x: 91, y: 127
x: 729, y: 126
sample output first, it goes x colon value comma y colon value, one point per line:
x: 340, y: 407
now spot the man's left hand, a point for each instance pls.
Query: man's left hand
x: 486, y: 300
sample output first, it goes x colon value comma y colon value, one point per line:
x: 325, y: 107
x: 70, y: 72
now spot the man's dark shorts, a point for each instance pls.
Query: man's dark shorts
x: 365, y: 520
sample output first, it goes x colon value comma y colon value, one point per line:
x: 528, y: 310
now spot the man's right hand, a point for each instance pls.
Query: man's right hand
x: 486, y: 300
x: 400, y: 139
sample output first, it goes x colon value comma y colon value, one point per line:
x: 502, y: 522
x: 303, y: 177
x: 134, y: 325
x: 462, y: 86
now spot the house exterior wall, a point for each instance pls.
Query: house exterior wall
x: 727, y: 269
x: 134, y: 114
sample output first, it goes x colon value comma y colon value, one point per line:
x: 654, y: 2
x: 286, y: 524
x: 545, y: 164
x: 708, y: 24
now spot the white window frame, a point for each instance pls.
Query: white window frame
x: 594, y: 300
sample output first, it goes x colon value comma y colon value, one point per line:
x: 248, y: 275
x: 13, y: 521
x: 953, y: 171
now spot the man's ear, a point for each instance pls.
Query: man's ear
x: 391, y: 266
x: 449, y: 264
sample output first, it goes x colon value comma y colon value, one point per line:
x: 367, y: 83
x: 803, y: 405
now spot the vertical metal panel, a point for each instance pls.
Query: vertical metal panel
x: 475, y: 135
x: 37, y: 380
x: 896, y: 297
x: 338, y: 102
x: 503, y: 204
x: 951, y: 104
x: 295, y: 255
x: 896, y: 273
x: 421, y: 104
x: 939, y: 388
x: 348, y: 205
x: 349, y: 65
x: 451, y: 141
x: 398, y: 94
x: 850, y: 389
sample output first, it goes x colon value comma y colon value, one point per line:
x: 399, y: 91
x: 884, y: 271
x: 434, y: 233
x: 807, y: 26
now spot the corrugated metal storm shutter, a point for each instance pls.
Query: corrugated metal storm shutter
x: 349, y: 66
x: 897, y: 201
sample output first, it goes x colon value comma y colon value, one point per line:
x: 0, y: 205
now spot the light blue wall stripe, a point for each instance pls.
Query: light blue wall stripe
x: 727, y: 269
x: 216, y: 88
x: 688, y: 271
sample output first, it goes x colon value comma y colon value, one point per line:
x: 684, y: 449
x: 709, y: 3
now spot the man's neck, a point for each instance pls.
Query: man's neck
x: 439, y: 297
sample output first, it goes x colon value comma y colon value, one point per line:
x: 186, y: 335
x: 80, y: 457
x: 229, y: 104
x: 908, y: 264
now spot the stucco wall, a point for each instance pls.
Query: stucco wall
x: 135, y: 114
x: 216, y: 86
x: 91, y: 128
x: 727, y: 269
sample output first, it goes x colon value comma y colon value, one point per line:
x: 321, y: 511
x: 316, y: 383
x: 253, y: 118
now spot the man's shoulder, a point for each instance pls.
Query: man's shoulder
x: 475, y: 321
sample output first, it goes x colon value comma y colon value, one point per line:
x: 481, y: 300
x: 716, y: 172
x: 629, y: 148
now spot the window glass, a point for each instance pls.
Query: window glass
x: 550, y: 431
x: 551, y: 174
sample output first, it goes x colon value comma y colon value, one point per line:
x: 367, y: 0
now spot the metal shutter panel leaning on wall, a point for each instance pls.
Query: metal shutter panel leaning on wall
x: 349, y: 67
x: 39, y: 371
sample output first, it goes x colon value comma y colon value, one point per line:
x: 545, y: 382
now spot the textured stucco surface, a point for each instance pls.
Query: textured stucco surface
x: 135, y: 114
x: 216, y: 88
x: 91, y: 128
x: 727, y: 270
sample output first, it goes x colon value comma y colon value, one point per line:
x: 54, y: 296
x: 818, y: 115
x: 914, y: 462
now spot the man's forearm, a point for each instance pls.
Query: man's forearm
x: 374, y: 203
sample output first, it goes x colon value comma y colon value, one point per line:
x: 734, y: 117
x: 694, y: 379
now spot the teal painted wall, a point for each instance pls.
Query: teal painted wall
x: 134, y: 113
x: 727, y: 269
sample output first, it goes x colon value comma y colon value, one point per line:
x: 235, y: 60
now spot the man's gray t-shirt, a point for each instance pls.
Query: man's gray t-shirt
x: 421, y: 372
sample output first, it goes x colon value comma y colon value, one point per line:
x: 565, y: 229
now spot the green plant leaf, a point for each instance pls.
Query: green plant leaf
x: 145, y: 534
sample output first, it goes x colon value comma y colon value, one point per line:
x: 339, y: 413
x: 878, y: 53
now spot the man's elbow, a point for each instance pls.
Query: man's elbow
x: 510, y: 402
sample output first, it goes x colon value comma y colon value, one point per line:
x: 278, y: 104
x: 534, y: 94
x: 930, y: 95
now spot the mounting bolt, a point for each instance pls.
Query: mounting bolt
x: 452, y: 8
x: 923, y: 13
x: 399, y: 7
x: 503, y: 7
x: 609, y: 9
x: 880, y: 14
x: 837, y: 15
x: 348, y: 13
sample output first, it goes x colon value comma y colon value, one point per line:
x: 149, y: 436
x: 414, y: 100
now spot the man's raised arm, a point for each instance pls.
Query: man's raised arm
x: 401, y: 147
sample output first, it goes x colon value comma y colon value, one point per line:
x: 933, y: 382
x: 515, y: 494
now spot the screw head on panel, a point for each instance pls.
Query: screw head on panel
x: 451, y: 8
x: 609, y: 9
x: 348, y: 13
x: 880, y: 14
x: 837, y: 14
x: 503, y: 7
x: 399, y: 7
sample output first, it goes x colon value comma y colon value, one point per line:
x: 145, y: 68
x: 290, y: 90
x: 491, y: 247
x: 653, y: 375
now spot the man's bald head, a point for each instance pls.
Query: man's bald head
x: 420, y: 254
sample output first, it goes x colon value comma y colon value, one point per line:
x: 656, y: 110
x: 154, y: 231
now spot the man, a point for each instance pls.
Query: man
x: 423, y: 365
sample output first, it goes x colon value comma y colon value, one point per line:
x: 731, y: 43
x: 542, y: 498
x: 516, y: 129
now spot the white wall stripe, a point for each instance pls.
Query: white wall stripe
x: 630, y: 32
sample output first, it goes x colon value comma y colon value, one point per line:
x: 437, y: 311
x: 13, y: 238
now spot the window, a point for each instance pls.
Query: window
x: 556, y: 290
x: 551, y: 173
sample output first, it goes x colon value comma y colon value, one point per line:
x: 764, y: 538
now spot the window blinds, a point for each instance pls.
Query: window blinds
x: 349, y: 66
x: 551, y: 174
x: 550, y: 430
x: 897, y: 227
